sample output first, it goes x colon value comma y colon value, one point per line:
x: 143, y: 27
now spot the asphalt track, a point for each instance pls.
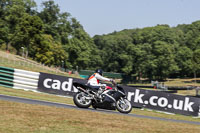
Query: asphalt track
x: 60, y: 105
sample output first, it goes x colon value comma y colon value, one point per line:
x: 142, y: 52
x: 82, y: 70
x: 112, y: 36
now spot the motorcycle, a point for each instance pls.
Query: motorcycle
x: 110, y: 99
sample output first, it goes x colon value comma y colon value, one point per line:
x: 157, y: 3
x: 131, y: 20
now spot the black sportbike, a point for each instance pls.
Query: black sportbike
x: 110, y: 99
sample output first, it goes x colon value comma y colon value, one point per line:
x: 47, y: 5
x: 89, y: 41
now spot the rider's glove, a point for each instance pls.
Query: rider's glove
x: 113, y: 81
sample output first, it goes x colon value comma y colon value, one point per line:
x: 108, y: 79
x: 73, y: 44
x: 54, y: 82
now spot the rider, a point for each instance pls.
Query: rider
x: 93, y: 81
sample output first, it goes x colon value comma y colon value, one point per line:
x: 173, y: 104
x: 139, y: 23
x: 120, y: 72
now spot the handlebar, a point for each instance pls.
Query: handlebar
x: 114, y: 84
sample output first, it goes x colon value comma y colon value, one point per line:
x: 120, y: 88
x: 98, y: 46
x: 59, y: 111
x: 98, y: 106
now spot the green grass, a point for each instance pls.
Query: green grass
x: 35, y: 95
x: 26, y: 118
x: 60, y: 99
x: 23, y: 118
x: 14, y: 61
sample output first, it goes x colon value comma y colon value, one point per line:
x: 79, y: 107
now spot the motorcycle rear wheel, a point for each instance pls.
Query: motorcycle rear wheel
x: 123, y: 106
x: 81, y: 101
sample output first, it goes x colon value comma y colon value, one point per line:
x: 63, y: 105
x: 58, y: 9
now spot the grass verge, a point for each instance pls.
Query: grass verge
x: 15, y: 61
x: 59, y: 99
x: 23, y: 118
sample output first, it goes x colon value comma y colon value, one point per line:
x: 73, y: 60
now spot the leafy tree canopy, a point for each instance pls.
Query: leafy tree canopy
x: 56, y: 38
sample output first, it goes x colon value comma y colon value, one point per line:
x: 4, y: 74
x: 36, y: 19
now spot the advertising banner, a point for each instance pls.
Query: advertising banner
x: 56, y: 84
x: 150, y: 99
x: 163, y: 101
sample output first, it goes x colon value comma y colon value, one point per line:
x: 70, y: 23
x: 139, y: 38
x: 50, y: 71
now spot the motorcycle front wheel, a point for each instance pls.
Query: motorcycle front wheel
x: 81, y: 101
x: 123, y: 106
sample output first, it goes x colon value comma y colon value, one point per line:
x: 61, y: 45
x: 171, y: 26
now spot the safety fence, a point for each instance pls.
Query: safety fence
x: 18, y: 79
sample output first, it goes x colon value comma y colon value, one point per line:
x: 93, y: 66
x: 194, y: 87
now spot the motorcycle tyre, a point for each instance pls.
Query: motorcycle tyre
x: 79, y: 104
x: 123, y: 111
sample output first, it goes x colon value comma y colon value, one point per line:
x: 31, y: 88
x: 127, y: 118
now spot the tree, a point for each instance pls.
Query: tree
x: 184, y: 61
x: 165, y: 59
x: 3, y: 32
x: 12, y: 12
x: 50, y: 16
x: 49, y: 52
x: 43, y: 50
x: 26, y: 30
x: 64, y: 28
x: 196, y: 61
x: 192, y: 35
x: 30, y: 6
x: 80, y: 49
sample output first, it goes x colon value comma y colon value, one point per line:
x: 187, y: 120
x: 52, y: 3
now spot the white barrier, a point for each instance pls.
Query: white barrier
x: 19, y: 79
